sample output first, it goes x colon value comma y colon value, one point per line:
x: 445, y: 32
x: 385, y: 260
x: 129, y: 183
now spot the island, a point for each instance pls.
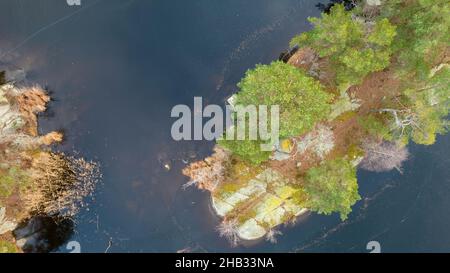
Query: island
x: 353, y: 92
x: 40, y: 190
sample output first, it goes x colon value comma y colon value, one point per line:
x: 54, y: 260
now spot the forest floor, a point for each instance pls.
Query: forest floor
x: 370, y: 94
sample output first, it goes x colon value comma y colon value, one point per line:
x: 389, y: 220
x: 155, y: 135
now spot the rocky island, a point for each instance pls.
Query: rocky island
x: 367, y: 80
x: 40, y: 190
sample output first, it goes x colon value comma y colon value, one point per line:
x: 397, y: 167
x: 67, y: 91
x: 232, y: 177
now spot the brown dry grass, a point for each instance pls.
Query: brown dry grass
x: 59, y: 184
x: 31, y: 101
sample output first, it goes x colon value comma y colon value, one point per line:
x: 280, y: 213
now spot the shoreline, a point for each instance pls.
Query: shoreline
x: 368, y: 124
x: 41, y: 190
x: 252, y: 234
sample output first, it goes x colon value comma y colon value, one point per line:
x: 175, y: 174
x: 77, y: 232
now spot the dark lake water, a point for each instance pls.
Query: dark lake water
x: 117, y: 67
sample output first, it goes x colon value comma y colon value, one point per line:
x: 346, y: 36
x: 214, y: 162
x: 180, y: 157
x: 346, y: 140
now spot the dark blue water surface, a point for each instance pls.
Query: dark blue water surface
x: 117, y: 67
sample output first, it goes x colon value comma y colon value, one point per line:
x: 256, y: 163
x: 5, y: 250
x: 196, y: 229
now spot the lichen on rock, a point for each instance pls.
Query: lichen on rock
x: 386, y: 73
x: 257, y: 206
x: 5, y: 224
x: 320, y: 142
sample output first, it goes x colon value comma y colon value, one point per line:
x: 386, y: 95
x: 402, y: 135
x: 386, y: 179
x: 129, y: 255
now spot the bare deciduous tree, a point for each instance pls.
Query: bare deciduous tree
x: 383, y: 156
x: 403, y: 119
x: 229, y: 230
x: 272, y: 234
x: 207, y: 174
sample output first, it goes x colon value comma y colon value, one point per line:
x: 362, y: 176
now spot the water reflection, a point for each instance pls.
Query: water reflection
x: 118, y: 68
x: 42, y: 234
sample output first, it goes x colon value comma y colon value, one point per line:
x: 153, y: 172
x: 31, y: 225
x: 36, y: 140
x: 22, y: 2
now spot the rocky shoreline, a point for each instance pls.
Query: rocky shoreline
x: 362, y: 129
x: 39, y: 189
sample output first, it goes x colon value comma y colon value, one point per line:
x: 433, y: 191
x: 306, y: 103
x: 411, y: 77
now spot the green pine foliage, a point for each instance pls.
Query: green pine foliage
x: 423, y: 28
x: 248, y: 150
x: 332, y: 187
x: 302, y: 99
x: 412, y: 34
x: 375, y: 127
x: 354, y: 47
x: 430, y: 107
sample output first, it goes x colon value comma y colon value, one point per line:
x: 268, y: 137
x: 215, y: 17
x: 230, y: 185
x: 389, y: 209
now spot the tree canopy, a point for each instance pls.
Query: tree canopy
x: 429, y: 107
x: 301, y: 99
x: 411, y: 39
x: 354, y: 47
x: 248, y: 150
x: 423, y: 29
x: 332, y: 187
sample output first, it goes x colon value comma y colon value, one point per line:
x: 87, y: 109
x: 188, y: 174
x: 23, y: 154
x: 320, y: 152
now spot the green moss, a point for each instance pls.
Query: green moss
x: 249, y: 214
x: 375, y: 127
x: 7, y: 186
x: 264, y: 225
x: 346, y: 116
x: 239, y: 174
x: 342, y: 105
x: 287, y: 216
x: 11, y: 180
x: 7, y: 247
x: 228, y: 188
x: 299, y: 197
x: 354, y: 152
x: 244, y: 210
